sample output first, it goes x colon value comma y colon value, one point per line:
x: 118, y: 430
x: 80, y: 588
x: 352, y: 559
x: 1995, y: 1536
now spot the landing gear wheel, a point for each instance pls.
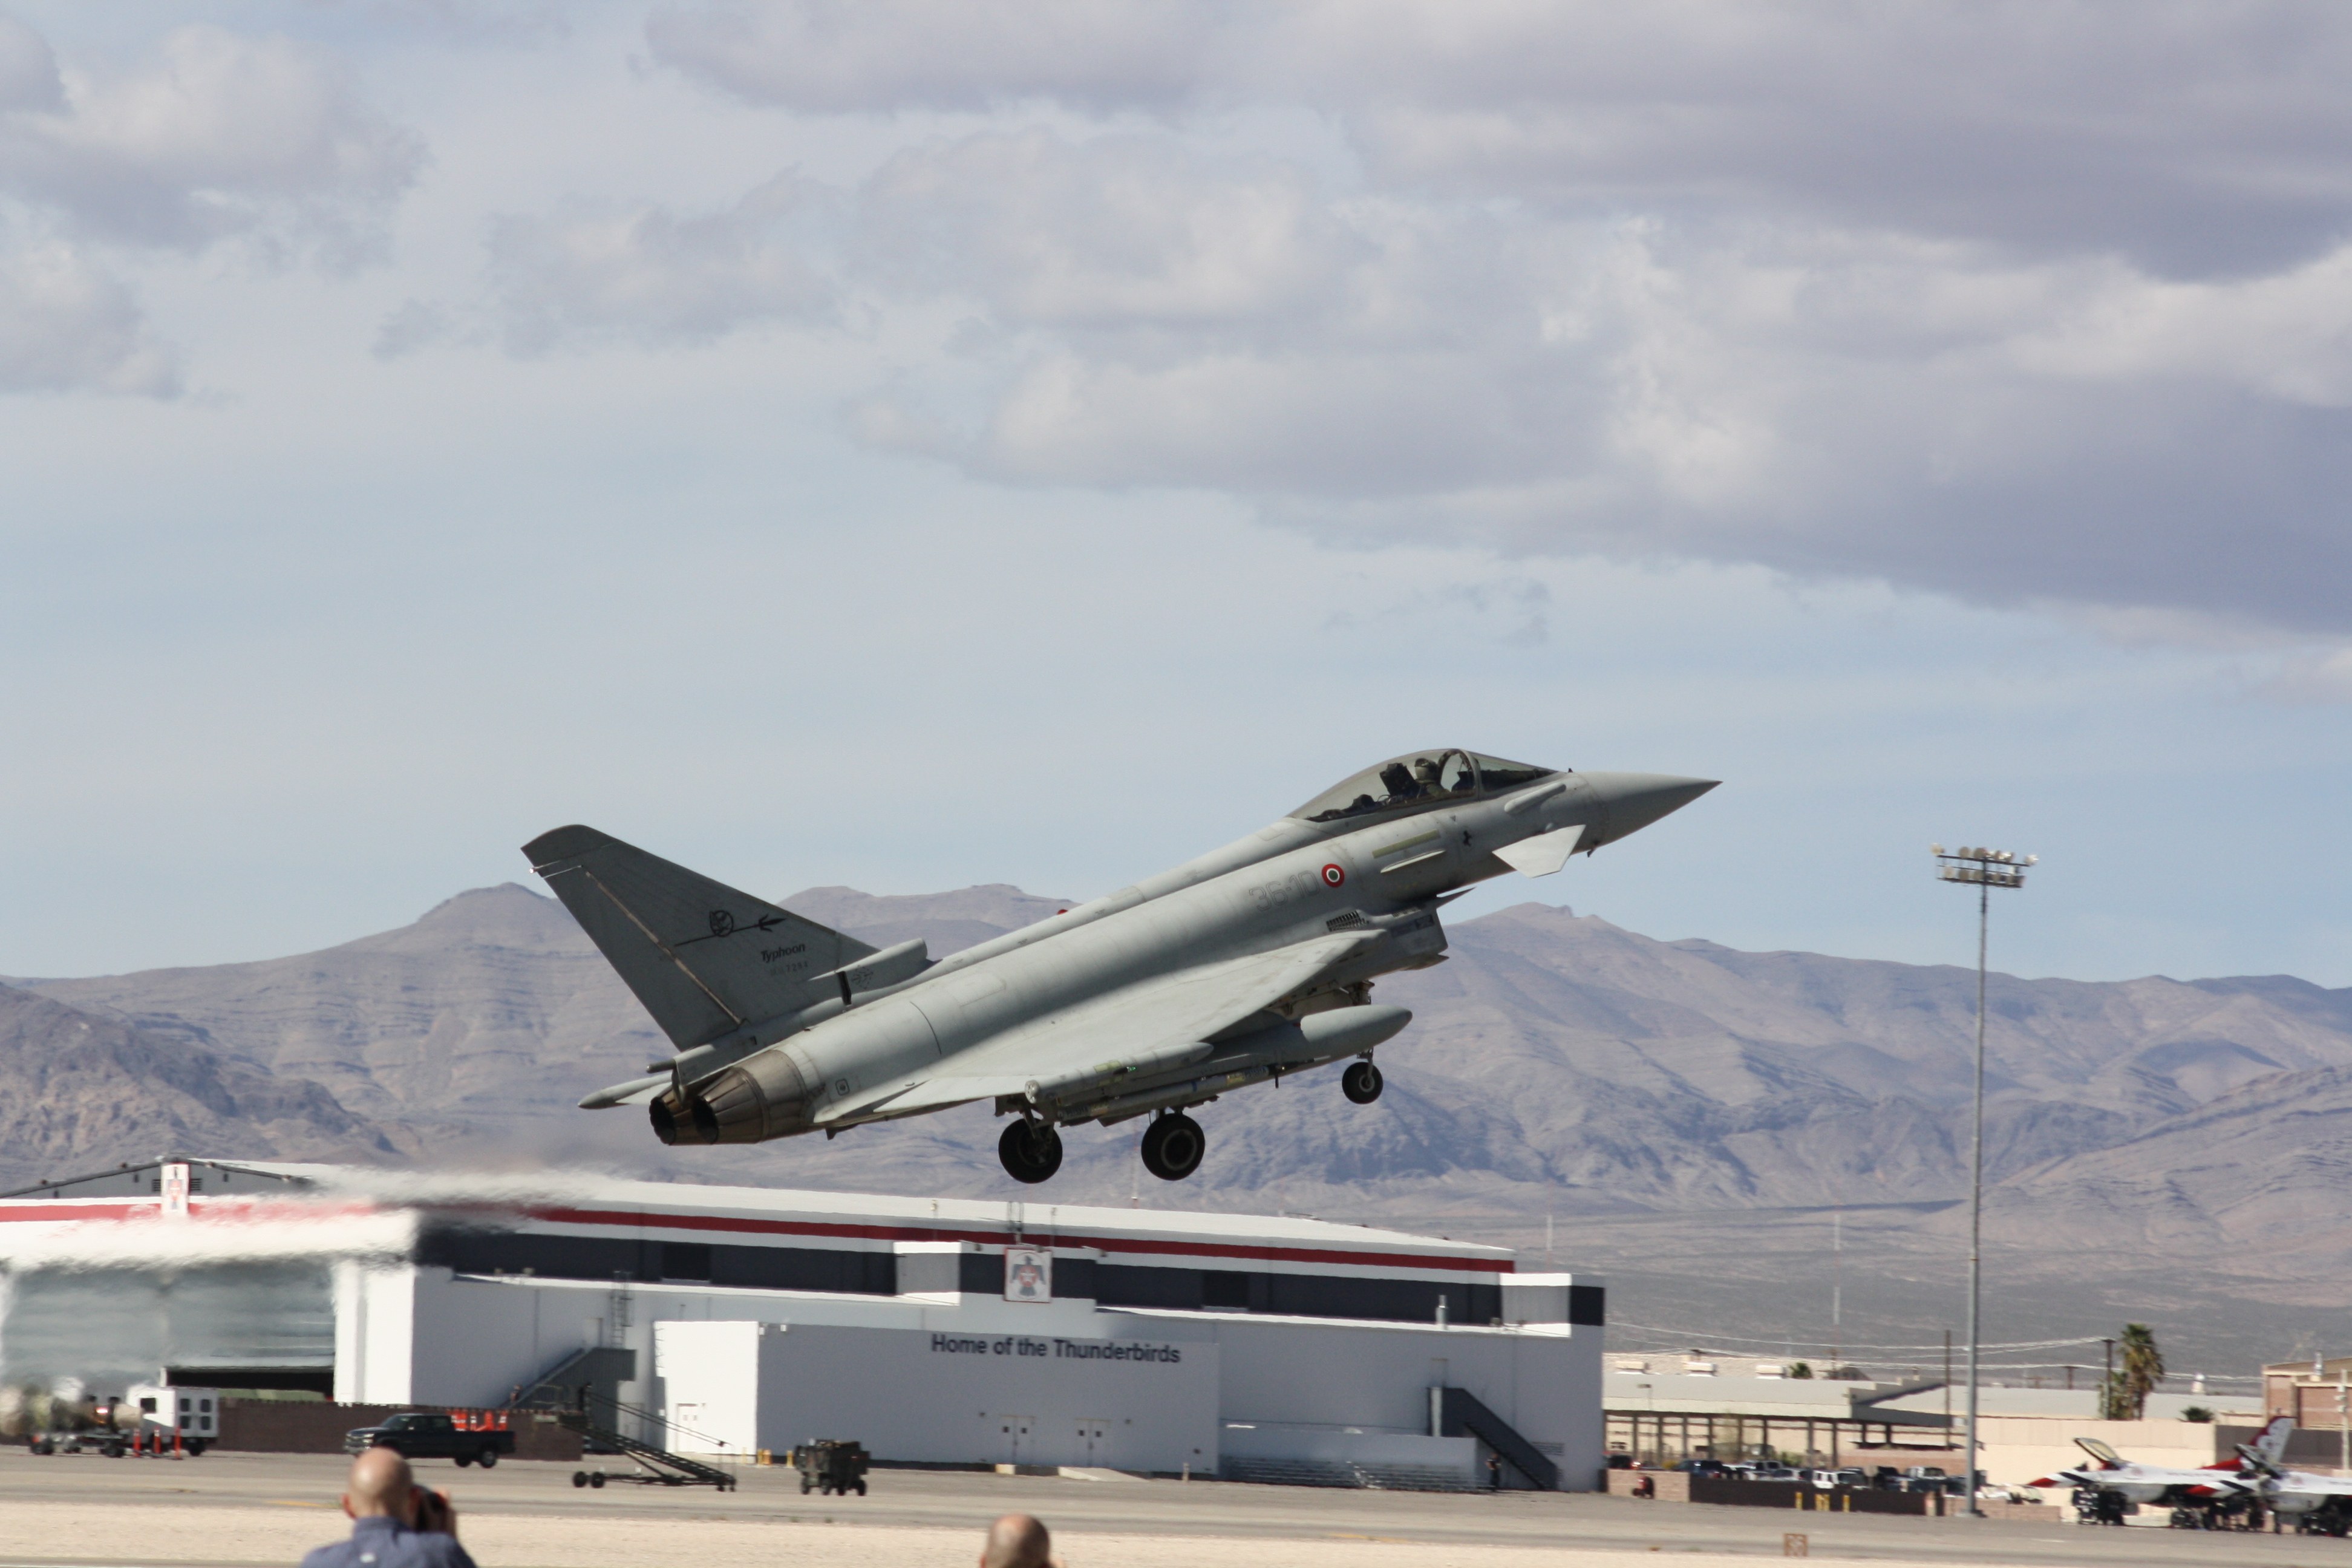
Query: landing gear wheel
x: 1172, y: 1147
x: 1030, y: 1152
x: 1361, y: 1083
x: 596, y: 1478
x: 579, y: 1477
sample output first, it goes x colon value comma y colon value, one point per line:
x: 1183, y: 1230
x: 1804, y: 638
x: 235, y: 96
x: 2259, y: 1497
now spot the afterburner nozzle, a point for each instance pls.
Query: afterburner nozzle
x: 762, y: 1098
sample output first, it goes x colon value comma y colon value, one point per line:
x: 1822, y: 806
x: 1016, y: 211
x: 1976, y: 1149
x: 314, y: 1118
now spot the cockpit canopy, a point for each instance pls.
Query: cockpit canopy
x: 1417, y: 780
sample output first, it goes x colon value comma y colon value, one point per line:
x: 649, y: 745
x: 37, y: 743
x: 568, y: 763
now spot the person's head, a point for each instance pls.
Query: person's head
x: 380, y: 1486
x: 1016, y: 1541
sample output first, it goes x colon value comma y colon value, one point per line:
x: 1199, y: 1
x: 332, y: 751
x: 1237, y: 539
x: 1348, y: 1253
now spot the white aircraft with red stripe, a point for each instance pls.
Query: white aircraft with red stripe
x: 2239, y: 1476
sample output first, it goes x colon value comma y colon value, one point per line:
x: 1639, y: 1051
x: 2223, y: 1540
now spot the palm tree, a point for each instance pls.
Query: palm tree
x: 2125, y: 1397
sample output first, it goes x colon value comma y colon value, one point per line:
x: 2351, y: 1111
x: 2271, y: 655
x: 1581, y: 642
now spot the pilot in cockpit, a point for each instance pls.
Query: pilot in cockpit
x: 1424, y: 774
x: 1399, y: 783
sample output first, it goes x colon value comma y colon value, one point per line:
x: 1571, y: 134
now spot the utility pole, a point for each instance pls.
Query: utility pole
x: 1985, y: 869
x: 2108, y: 1383
x: 1837, y: 1289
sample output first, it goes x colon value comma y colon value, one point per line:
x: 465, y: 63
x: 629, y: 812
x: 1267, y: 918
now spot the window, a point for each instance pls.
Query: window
x: 1498, y: 775
x: 1417, y: 779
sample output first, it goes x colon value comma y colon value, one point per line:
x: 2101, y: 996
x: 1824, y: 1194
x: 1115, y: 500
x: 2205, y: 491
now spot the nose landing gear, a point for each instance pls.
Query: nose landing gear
x: 1030, y: 1150
x: 1172, y: 1147
x: 1361, y: 1083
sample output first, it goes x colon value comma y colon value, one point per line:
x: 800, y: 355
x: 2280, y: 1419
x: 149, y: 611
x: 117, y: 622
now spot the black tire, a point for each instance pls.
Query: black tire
x: 1172, y: 1147
x: 463, y: 1460
x: 596, y: 1478
x: 804, y: 1486
x: 861, y: 1489
x: 1361, y: 1083
x: 487, y: 1458
x: 197, y: 1446
x: 113, y: 1450
x: 1030, y: 1152
x: 579, y: 1477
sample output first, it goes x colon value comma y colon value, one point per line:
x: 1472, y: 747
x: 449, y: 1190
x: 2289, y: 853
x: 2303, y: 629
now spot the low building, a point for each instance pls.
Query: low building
x: 1667, y: 1407
x: 728, y: 1320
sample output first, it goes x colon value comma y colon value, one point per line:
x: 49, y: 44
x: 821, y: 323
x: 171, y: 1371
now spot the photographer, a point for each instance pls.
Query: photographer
x: 396, y: 1523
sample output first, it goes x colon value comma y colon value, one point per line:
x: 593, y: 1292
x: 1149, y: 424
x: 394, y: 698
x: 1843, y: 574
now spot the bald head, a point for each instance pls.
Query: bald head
x: 380, y: 1484
x: 1016, y: 1541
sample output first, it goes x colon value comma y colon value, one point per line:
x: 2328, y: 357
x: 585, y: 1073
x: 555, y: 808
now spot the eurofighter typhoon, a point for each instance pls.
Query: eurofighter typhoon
x: 1252, y: 963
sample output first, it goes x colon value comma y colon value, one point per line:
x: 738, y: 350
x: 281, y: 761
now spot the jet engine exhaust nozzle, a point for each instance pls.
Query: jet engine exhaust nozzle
x: 764, y: 1097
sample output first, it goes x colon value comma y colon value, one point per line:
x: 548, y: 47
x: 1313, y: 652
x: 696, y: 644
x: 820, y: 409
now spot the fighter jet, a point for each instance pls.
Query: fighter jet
x: 2316, y: 1502
x: 2112, y: 1472
x: 1244, y: 966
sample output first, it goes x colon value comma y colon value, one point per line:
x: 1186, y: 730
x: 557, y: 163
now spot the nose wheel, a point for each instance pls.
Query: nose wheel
x: 1030, y: 1152
x: 1361, y: 1083
x: 1172, y: 1147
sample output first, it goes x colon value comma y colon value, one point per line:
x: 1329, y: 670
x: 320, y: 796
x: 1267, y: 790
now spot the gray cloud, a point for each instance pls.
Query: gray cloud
x: 592, y: 271
x: 2020, y: 303
x: 2192, y: 138
x: 854, y: 56
x: 218, y: 136
x: 65, y: 326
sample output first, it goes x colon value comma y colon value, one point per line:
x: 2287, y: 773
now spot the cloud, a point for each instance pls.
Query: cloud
x: 853, y: 56
x: 65, y: 326
x: 593, y: 269
x: 2026, y: 304
x: 216, y: 136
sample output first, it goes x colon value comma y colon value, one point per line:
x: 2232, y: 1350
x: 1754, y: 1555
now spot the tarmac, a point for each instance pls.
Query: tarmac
x: 87, y: 1511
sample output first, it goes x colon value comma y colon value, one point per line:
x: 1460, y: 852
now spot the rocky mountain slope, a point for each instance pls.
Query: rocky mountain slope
x: 85, y: 1091
x: 1667, y: 1100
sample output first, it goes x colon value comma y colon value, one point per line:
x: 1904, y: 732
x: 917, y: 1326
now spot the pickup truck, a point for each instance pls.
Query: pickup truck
x: 431, y: 1435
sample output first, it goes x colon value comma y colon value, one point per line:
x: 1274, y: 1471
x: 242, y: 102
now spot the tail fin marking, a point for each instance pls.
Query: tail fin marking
x: 704, y: 958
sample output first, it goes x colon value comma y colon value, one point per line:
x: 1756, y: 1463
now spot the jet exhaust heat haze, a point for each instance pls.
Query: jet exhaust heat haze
x: 1240, y: 967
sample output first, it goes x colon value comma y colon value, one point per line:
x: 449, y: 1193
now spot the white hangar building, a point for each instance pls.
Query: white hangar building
x: 728, y: 1320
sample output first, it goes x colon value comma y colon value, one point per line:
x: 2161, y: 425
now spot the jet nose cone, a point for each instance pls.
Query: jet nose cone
x: 1637, y: 800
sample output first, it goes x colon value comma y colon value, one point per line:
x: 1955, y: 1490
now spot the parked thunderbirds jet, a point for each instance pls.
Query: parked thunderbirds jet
x: 2157, y: 1483
x: 2314, y: 1501
x: 1247, y: 965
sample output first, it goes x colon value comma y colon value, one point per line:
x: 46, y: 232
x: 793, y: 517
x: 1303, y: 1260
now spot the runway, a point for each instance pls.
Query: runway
x: 84, y: 1511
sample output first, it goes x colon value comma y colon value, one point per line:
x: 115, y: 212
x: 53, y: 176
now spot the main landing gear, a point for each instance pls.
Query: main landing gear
x: 1031, y: 1151
x: 1172, y: 1146
x: 1361, y: 1083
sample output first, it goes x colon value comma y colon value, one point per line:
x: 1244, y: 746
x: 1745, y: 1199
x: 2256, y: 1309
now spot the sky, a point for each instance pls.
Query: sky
x: 910, y: 446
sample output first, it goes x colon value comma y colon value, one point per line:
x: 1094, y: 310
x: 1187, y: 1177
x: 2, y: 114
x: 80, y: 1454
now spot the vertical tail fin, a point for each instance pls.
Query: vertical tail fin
x: 703, y: 957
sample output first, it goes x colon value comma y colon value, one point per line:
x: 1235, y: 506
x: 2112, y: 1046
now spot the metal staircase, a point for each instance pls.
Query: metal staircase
x: 656, y: 1467
x: 1460, y: 1411
x: 583, y: 1391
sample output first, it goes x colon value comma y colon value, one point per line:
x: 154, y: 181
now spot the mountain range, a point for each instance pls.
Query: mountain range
x: 1732, y: 1138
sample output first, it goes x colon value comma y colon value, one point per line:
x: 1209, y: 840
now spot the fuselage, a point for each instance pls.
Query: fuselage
x: 1376, y: 870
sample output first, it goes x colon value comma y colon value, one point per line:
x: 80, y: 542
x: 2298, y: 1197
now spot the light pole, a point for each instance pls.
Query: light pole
x: 1985, y: 869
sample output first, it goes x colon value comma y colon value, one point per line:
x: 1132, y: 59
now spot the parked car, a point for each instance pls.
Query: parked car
x: 431, y: 1435
x: 1773, y: 1472
x: 1702, y: 1466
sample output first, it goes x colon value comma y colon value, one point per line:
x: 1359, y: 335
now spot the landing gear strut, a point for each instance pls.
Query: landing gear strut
x: 1030, y: 1150
x: 1361, y: 1083
x: 1172, y: 1146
